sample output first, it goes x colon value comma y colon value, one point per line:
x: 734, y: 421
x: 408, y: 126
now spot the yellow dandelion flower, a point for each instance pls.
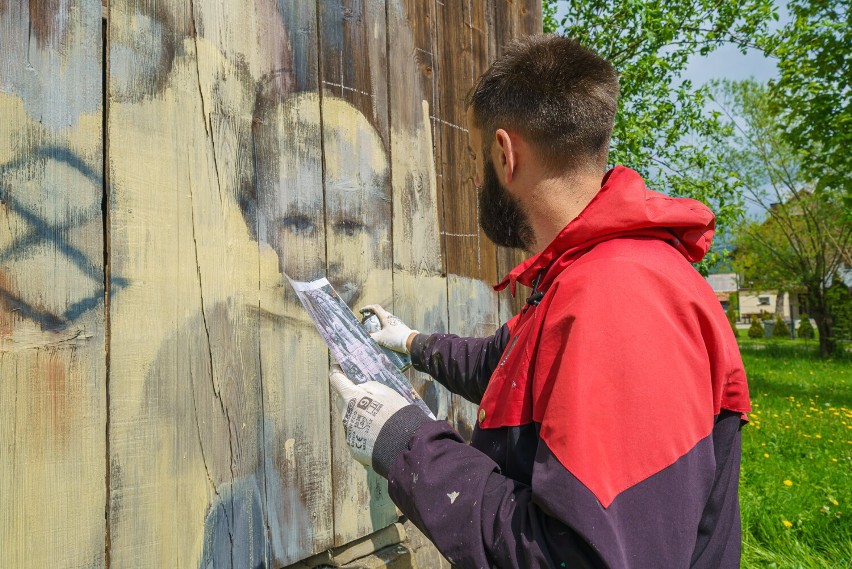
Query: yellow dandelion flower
x: 833, y: 460
x: 818, y: 436
x: 787, y: 524
x: 766, y: 455
x: 835, y: 502
x: 788, y: 482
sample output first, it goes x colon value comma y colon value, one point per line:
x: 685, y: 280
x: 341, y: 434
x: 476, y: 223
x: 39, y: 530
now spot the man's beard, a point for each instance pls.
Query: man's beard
x: 500, y: 214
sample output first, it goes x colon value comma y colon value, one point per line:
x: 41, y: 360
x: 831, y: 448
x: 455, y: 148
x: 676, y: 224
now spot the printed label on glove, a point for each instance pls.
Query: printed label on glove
x: 357, y: 425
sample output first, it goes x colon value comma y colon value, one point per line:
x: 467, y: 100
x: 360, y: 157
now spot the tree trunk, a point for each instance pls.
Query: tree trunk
x: 819, y: 312
x: 779, y: 304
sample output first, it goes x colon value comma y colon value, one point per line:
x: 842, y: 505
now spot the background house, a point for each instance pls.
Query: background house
x: 747, y: 302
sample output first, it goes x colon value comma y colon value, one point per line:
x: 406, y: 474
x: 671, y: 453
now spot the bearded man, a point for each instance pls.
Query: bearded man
x: 610, y: 408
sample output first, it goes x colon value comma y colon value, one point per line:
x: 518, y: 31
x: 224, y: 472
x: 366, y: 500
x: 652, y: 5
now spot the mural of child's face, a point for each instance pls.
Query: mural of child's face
x: 354, y: 208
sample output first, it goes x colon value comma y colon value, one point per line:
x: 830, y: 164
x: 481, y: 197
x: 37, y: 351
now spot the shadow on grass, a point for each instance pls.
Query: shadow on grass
x: 774, y: 355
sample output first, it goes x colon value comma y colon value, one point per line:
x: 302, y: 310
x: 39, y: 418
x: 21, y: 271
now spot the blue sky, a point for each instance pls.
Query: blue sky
x: 728, y: 63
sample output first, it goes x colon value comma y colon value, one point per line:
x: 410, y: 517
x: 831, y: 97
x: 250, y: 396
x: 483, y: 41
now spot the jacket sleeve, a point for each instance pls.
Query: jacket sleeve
x: 475, y: 516
x: 462, y: 365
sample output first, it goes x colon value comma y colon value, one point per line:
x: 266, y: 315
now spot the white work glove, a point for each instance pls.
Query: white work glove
x: 394, y: 333
x: 367, y: 411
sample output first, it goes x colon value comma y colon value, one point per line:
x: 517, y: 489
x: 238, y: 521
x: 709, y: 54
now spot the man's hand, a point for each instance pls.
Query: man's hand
x: 374, y: 412
x: 394, y: 334
x: 365, y: 410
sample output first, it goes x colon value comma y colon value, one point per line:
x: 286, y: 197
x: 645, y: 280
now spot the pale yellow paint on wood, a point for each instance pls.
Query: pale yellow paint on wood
x: 421, y: 302
x: 52, y: 344
x: 187, y: 449
x: 420, y: 290
x: 358, y: 237
x: 294, y: 358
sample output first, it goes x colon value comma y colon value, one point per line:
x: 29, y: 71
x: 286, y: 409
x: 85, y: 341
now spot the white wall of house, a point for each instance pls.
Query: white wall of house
x: 755, y: 302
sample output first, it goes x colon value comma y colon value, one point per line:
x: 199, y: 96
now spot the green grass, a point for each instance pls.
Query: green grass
x: 796, y: 487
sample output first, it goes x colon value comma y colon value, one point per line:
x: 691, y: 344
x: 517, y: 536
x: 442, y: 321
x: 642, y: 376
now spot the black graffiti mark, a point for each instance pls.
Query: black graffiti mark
x: 42, y: 232
x: 46, y: 320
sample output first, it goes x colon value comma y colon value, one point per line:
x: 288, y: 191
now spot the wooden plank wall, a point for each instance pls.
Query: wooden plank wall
x: 52, y: 323
x: 176, y: 412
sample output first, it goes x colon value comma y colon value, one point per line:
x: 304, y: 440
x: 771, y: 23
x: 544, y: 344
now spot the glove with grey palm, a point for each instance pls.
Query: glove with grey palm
x: 378, y: 421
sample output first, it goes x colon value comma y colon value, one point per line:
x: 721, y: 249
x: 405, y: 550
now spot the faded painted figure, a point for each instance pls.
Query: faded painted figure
x: 258, y: 517
x: 223, y: 445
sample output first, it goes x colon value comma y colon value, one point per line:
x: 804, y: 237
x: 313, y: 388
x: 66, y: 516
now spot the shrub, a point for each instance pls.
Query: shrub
x: 806, y: 330
x: 839, y: 302
x: 756, y: 329
x: 781, y: 328
x: 731, y: 313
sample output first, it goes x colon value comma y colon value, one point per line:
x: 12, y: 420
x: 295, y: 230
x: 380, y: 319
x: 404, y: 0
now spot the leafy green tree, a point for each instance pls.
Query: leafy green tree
x: 805, y: 238
x: 663, y: 129
x: 811, y: 94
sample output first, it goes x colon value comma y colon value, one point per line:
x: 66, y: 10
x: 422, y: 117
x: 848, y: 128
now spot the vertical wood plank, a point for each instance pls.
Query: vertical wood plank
x: 52, y: 329
x: 420, y: 289
x: 462, y: 39
x: 358, y: 206
x: 294, y: 357
x: 473, y: 312
x: 288, y: 145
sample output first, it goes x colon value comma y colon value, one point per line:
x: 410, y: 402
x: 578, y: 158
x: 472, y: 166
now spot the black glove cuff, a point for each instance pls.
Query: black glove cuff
x: 395, y: 435
x: 417, y: 350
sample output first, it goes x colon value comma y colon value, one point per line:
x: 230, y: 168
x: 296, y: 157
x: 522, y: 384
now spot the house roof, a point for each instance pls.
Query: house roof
x: 723, y: 282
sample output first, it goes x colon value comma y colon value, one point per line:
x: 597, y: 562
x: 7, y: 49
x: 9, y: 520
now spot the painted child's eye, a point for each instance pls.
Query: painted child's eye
x: 299, y: 224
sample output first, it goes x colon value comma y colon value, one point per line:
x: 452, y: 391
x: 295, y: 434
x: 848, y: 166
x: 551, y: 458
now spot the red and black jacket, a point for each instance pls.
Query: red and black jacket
x: 609, y: 415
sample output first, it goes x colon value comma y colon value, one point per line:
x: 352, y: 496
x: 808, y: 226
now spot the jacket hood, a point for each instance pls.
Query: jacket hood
x: 623, y: 207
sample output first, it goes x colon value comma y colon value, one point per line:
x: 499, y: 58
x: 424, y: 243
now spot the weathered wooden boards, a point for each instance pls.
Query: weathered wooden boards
x: 188, y: 422
x: 358, y: 206
x: 418, y: 262
x: 52, y: 343
x: 220, y: 444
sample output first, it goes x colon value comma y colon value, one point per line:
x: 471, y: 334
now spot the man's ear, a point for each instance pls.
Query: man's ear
x: 507, y: 159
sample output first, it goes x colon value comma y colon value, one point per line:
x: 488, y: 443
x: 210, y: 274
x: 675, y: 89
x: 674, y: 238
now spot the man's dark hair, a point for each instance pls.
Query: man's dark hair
x: 559, y: 94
